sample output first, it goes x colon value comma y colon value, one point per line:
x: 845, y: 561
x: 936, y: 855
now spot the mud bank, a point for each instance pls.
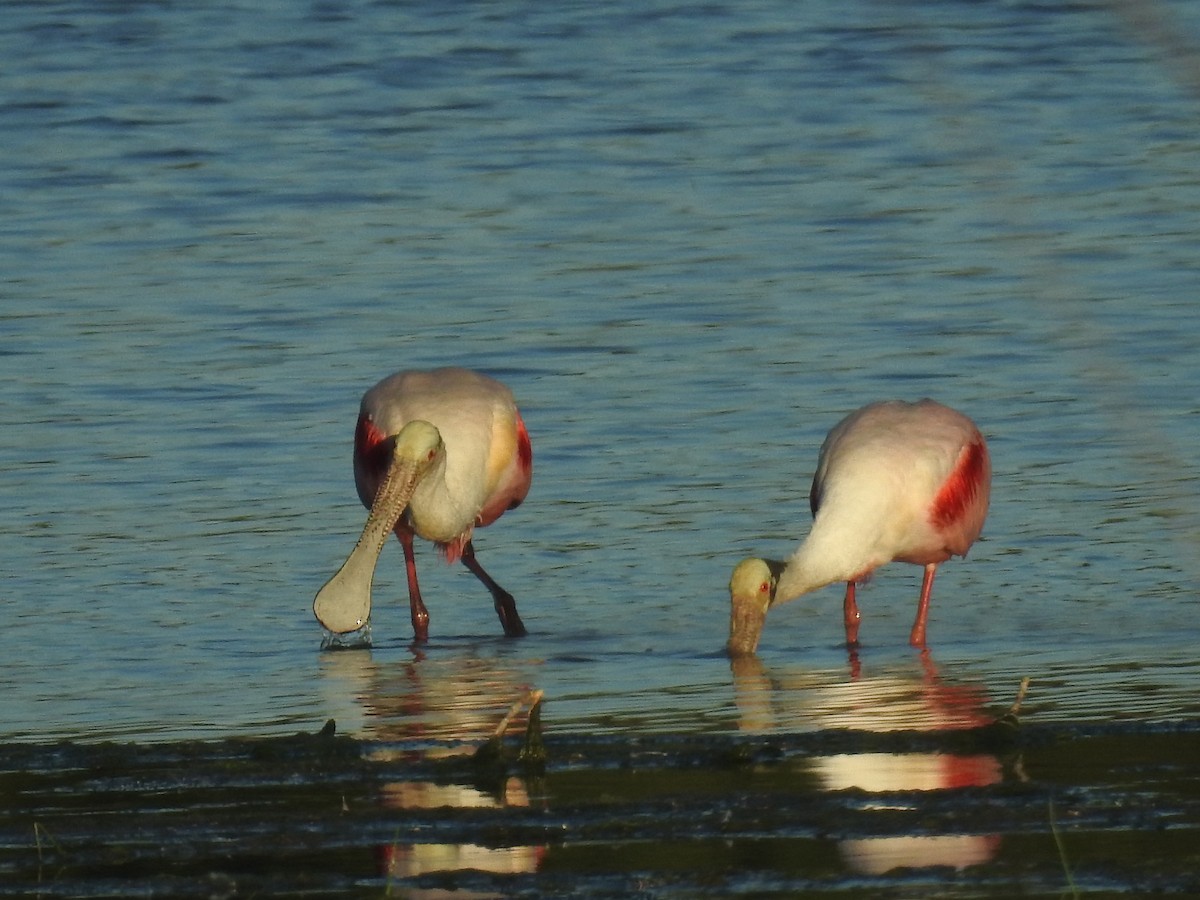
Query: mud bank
x: 990, y: 812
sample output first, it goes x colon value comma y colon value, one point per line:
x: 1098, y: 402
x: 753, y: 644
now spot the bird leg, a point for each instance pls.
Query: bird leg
x: 852, y: 616
x: 420, y: 615
x: 506, y: 606
x: 917, y: 638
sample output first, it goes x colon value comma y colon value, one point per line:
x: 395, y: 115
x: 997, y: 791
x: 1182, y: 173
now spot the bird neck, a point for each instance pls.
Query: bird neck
x: 842, y: 546
x: 438, y: 511
x: 805, y: 571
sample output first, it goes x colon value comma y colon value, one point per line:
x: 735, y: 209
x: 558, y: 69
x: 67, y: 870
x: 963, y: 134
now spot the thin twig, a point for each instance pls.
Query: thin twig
x: 1062, y: 851
x: 529, y: 699
x: 38, y: 830
x: 1021, y: 691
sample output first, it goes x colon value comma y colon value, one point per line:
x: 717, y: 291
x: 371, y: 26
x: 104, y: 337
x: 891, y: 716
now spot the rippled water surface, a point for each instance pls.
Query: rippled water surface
x: 690, y: 238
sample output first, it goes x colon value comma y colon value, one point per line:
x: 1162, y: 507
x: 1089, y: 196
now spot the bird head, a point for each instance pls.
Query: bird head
x: 751, y: 593
x: 417, y: 446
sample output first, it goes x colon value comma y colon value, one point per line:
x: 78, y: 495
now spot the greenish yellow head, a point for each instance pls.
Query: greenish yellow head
x: 417, y: 445
x: 751, y: 592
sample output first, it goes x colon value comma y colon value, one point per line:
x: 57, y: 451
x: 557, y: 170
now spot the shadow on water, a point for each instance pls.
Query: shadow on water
x: 838, y: 783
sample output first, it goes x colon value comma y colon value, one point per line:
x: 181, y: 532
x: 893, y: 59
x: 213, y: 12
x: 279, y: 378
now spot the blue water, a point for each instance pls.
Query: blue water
x: 690, y: 238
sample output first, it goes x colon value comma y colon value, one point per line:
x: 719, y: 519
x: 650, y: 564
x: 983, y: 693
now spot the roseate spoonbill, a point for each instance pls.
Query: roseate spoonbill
x: 894, y: 481
x: 436, y: 454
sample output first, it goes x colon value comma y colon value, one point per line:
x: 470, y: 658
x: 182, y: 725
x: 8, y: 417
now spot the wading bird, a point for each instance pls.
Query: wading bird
x: 894, y: 481
x: 436, y: 454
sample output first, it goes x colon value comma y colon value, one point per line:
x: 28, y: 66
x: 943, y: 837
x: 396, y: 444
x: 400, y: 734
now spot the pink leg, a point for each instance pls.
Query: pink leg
x: 506, y: 606
x: 852, y: 616
x: 420, y: 616
x: 917, y: 638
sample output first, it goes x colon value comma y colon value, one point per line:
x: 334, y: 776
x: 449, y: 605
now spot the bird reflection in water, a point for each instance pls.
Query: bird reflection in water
x: 796, y: 699
x: 423, y: 709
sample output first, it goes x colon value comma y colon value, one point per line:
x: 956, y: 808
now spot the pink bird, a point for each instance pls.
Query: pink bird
x: 894, y: 481
x: 436, y: 454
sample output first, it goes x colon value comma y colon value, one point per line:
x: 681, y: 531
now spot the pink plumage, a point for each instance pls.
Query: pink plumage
x: 437, y: 454
x: 894, y: 481
x: 489, y: 460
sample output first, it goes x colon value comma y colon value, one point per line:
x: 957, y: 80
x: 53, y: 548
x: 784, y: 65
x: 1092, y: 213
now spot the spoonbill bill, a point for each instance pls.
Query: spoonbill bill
x: 437, y: 454
x: 894, y: 481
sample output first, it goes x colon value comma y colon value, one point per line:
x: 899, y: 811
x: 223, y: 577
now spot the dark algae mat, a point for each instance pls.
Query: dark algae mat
x: 1005, y: 809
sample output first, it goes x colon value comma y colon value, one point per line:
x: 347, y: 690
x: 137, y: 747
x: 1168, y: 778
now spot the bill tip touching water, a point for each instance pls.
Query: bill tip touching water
x: 895, y: 481
x: 437, y: 454
x: 751, y: 593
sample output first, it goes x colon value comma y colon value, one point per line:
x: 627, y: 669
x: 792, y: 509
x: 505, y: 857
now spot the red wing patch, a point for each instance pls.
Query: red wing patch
x: 525, y: 458
x: 962, y: 487
x: 368, y: 446
x: 524, y: 447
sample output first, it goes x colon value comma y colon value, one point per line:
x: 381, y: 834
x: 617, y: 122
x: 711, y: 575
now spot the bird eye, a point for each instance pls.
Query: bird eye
x: 765, y: 587
x: 432, y: 454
